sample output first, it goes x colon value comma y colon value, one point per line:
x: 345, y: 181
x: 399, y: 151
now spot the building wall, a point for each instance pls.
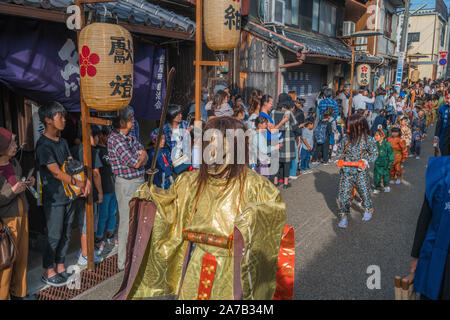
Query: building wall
x: 430, y: 27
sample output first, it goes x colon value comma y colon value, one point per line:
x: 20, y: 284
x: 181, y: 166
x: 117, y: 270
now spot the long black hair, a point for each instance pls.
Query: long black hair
x: 357, y: 127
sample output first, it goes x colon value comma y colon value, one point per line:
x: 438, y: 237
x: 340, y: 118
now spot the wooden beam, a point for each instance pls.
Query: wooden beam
x: 58, y: 16
x: 213, y: 63
x: 33, y: 13
x: 99, y: 121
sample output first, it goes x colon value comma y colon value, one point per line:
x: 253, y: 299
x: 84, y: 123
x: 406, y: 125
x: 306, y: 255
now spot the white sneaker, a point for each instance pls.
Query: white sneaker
x: 410, y: 155
x: 359, y: 204
x: 376, y: 191
x: 387, y: 189
x: 367, y: 216
x: 398, y: 181
x: 392, y: 182
x: 418, y: 157
x: 293, y: 178
x: 82, y: 261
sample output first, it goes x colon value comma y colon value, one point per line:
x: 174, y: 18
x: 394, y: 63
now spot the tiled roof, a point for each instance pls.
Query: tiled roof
x: 131, y: 11
x: 314, y: 45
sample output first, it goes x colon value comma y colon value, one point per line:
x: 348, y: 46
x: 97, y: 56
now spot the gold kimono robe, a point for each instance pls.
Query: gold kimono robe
x: 260, y: 220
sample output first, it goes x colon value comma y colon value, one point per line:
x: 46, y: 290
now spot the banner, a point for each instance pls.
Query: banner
x: 39, y: 59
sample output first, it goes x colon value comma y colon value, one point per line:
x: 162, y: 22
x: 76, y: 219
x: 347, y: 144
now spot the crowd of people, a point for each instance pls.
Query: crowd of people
x: 384, y: 127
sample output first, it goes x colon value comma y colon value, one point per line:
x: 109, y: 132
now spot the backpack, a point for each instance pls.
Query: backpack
x: 75, y: 169
x: 320, y: 134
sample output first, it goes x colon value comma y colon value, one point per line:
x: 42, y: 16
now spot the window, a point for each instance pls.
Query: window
x: 295, y: 12
x: 292, y: 12
x: 388, y: 25
x: 324, y: 18
x: 443, y: 36
x: 316, y: 7
x: 414, y: 37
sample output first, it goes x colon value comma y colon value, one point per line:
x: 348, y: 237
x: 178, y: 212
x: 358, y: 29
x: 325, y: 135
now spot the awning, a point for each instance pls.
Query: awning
x: 137, y: 14
x: 314, y: 46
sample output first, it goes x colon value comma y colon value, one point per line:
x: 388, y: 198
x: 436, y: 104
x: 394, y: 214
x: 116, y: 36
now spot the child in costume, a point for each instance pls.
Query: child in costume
x: 406, y: 131
x: 400, y: 155
x: 418, y: 128
x: 384, y: 162
x: 203, y: 237
x: 357, y: 146
x: 164, y: 177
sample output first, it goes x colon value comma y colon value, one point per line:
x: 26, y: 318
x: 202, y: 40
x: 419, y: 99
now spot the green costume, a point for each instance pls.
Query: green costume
x: 383, y: 163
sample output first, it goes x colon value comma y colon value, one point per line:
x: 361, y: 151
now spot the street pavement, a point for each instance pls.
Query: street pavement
x: 331, y: 263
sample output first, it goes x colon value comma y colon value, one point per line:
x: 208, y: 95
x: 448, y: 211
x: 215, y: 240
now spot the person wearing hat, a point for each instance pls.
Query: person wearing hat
x: 14, y: 215
x: 384, y: 162
x: 165, y: 175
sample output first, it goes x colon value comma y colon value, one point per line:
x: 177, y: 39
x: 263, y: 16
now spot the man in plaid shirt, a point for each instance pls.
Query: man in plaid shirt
x: 328, y: 103
x: 127, y: 158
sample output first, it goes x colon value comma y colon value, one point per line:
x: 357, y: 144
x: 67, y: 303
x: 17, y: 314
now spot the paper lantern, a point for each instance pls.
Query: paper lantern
x: 222, y: 24
x: 415, y: 75
x: 363, y: 74
x: 106, y: 66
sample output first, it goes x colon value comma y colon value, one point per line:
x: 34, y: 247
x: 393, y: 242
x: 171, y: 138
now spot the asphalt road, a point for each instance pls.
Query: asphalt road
x: 332, y: 263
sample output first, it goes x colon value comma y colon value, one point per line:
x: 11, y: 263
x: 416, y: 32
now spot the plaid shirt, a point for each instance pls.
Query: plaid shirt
x: 325, y: 104
x: 123, y: 155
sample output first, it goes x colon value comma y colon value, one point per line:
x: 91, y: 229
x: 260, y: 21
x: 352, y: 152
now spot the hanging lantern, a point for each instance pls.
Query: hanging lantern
x: 222, y: 24
x: 106, y: 66
x: 363, y: 74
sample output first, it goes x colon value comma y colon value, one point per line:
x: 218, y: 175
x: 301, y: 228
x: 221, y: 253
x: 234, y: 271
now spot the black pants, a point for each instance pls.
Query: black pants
x: 322, y: 151
x: 59, y: 227
x: 283, y: 170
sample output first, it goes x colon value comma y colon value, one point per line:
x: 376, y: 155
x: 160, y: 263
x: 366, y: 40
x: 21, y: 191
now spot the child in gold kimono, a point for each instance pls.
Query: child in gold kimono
x: 400, y: 155
x: 216, y: 232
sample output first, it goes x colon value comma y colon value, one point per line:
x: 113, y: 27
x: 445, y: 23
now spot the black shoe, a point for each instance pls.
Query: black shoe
x: 55, y: 281
x: 65, y: 275
x: 27, y: 297
x: 287, y: 186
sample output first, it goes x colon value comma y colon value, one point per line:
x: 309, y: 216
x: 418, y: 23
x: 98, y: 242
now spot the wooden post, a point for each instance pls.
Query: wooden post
x: 87, y: 161
x: 198, y: 59
x: 352, y: 79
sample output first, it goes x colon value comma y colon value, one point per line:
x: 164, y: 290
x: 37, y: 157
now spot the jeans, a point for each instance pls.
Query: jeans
x: 107, y: 215
x: 305, y: 156
x: 59, y: 226
x: 125, y: 190
x: 294, y: 164
x: 81, y: 212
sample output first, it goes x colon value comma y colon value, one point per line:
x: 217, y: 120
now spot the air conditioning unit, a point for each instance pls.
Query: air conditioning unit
x: 349, y: 28
x: 274, y: 12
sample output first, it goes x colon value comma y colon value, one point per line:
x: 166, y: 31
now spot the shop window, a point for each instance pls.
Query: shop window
x: 414, y: 37
x: 388, y: 25
x: 443, y: 36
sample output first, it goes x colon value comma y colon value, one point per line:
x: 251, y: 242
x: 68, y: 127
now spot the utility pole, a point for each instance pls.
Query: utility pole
x: 403, y: 47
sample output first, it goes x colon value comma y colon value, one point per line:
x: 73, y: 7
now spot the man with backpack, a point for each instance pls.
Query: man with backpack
x: 322, y: 135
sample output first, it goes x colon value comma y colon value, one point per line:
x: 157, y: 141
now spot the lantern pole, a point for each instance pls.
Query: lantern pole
x: 86, y: 120
x: 199, y: 63
x: 352, y: 79
x: 198, y: 59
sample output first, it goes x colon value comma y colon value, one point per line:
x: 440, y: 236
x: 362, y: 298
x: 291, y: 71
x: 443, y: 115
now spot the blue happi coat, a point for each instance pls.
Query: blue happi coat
x: 435, y: 248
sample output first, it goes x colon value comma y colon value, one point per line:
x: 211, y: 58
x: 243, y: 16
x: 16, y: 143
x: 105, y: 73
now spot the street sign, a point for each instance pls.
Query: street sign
x: 443, y: 62
x: 399, y: 74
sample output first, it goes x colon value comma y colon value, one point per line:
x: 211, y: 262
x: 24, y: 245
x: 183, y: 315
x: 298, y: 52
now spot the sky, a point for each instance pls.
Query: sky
x: 430, y: 3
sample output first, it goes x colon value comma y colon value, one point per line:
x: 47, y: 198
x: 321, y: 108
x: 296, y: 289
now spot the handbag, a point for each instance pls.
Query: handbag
x: 8, y: 248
